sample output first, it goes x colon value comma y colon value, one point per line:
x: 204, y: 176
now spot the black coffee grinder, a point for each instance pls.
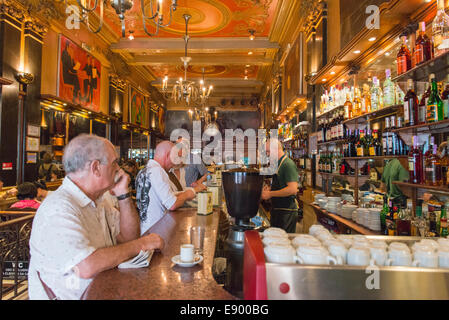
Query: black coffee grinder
x: 242, y: 189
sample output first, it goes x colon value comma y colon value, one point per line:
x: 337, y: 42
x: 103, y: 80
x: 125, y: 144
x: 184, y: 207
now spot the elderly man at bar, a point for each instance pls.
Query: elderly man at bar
x: 76, y: 233
x: 154, y: 193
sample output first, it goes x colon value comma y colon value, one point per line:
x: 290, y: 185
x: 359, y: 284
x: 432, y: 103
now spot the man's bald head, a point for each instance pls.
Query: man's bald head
x: 162, y: 154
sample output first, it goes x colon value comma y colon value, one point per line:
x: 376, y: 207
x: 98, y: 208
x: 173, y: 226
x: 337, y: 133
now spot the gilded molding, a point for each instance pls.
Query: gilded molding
x: 118, y: 82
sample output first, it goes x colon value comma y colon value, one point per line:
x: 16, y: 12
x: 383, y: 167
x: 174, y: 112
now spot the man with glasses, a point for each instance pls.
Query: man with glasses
x: 76, y: 232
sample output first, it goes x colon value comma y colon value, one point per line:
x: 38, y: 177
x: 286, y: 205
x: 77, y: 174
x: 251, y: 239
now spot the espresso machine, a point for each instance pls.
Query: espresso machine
x: 242, y: 189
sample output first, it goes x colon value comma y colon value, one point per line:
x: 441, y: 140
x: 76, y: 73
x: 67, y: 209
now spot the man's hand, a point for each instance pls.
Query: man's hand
x: 199, y: 187
x: 121, y: 186
x: 152, y: 241
x: 266, y: 193
x: 194, y: 184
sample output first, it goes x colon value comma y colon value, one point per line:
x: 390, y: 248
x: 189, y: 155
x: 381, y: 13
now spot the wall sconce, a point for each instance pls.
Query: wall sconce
x: 24, y: 79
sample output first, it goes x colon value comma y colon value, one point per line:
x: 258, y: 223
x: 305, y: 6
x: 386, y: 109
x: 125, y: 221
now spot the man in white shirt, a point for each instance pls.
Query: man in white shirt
x: 153, y: 191
x: 77, y: 233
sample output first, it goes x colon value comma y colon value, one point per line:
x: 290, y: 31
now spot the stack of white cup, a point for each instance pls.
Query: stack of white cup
x: 373, y: 220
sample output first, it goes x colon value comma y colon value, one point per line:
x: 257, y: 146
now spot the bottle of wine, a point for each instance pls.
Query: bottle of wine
x: 389, y: 90
x: 415, y: 161
x: 348, y: 107
x: 445, y: 98
x: 422, y: 108
x: 410, y: 106
x: 434, y: 104
x: 423, y: 48
x: 404, y: 60
x: 440, y: 30
x: 360, y: 145
x: 375, y: 95
x: 433, y: 168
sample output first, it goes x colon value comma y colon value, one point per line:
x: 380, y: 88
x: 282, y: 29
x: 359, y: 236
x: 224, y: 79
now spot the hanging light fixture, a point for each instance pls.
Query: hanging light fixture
x: 184, y: 90
x: 120, y: 7
x: 251, y: 34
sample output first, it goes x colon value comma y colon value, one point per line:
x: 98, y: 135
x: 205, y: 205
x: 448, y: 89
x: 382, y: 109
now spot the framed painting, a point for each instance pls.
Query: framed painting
x: 79, y: 77
x: 139, y: 112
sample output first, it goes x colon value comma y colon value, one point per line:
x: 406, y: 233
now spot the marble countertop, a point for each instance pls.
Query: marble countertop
x: 162, y: 279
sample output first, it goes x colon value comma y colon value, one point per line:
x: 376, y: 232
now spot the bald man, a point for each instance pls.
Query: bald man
x: 154, y: 194
x: 284, y: 186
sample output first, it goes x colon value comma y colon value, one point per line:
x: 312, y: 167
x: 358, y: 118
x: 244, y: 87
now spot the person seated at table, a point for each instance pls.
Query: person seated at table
x: 153, y: 192
x: 6, y: 194
x: 47, y: 169
x: 27, y: 194
x: 42, y: 190
x: 76, y: 234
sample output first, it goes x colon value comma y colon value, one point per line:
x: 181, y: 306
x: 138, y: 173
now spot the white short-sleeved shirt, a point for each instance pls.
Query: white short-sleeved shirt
x: 67, y: 228
x: 161, y: 196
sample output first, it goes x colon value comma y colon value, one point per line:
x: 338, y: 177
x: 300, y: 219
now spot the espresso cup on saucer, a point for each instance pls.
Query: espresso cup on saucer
x: 315, y: 255
x: 305, y: 240
x: 425, y: 257
x: 187, y: 252
x: 280, y: 253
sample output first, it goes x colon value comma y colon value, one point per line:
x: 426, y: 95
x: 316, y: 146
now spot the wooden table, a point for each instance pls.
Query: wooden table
x: 162, y: 279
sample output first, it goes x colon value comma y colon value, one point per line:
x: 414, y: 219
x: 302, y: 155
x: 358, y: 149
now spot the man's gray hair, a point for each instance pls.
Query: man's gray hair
x: 83, y: 149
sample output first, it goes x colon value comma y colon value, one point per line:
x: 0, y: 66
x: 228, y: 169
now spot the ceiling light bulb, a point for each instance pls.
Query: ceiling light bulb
x: 201, y: 82
x: 211, y: 87
x: 246, y: 77
x: 248, y: 66
x: 324, y: 80
x: 387, y: 54
x: 131, y: 35
x: 372, y: 39
x: 250, y: 53
x: 357, y: 51
x: 333, y: 72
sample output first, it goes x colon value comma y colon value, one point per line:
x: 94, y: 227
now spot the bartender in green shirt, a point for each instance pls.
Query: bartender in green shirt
x: 284, y: 186
x: 394, y: 171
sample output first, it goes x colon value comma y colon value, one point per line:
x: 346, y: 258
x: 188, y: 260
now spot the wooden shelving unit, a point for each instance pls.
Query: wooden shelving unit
x: 375, y: 114
x: 331, y: 142
x: 439, y: 189
x: 374, y: 157
x: 425, y: 127
x: 344, y: 223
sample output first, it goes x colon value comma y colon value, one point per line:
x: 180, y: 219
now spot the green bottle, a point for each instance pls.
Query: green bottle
x: 383, y: 215
x: 443, y: 223
x: 435, y: 108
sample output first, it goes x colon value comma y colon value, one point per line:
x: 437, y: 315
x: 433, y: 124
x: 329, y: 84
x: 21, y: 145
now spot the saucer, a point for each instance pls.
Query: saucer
x: 177, y: 260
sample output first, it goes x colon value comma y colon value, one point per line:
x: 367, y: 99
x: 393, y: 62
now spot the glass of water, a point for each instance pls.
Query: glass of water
x: 197, y: 238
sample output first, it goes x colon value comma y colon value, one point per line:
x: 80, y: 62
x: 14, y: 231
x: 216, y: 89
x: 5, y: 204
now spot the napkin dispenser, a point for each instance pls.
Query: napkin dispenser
x: 205, y: 205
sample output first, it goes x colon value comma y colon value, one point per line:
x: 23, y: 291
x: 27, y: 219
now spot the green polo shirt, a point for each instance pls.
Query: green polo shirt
x: 394, y: 171
x: 287, y: 173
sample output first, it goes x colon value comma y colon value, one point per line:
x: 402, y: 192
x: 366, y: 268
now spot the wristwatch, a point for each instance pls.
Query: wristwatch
x: 124, y: 196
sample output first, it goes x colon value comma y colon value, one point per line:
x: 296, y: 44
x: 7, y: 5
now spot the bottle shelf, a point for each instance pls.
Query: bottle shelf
x: 438, y: 65
x: 424, y: 127
x: 348, y: 223
x: 378, y: 113
x: 374, y: 157
x: 332, y: 142
x: 441, y: 189
x: 328, y: 112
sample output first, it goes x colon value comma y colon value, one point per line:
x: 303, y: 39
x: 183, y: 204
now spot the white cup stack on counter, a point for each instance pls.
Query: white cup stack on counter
x: 320, y: 247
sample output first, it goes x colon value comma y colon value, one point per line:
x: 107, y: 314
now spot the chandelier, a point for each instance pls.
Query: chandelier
x: 120, y: 7
x: 185, y: 90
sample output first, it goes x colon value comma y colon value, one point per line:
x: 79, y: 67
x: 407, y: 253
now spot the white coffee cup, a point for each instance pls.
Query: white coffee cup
x: 277, y: 232
x: 398, y: 246
x: 272, y: 239
x: 305, y: 240
x: 314, y: 255
x: 324, y: 235
x: 280, y: 253
x: 398, y: 256
x: 359, y: 256
x: 379, y: 253
x: 338, y: 250
x: 425, y: 257
x: 187, y: 252
x: 379, y: 244
x: 431, y: 242
x: 315, y: 228
x: 443, y: 257
x: 359, y: 240
x: 346, y: 239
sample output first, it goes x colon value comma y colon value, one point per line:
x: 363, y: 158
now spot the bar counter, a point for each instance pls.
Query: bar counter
x: 162, y: 279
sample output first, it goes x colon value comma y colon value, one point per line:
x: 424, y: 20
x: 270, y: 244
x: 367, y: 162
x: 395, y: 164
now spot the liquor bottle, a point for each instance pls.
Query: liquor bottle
x: 443, y: 222
x: 360, y: 145
x: 375, y: 147
x: 423, y: 48
x: 348, y: 107
x: 434, y: 104
x: 357, y: 104
x: 366, y: 99
x: 375, y: 95
x: 388, y: 90
x: 422, y: 108
x: 410, y: 105
x: 404, y: 61
x: 433, y: 232
x: 445, y: 165
x: 433, y: 168
x: 440, y: 30
x: 445, y: 98
x: 415, y: 161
